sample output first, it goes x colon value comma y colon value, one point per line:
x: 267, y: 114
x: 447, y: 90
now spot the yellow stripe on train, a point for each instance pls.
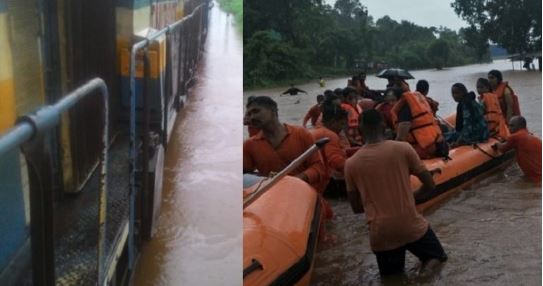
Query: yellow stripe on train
x: 157, y: 60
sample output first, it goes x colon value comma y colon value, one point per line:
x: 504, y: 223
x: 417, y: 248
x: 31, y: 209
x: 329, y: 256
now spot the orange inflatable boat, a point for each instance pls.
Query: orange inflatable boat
x: 280, y: 233
x: 466, y: 163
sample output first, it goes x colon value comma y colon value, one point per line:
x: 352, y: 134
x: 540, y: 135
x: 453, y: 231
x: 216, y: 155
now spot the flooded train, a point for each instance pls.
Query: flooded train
x: 89, y: 93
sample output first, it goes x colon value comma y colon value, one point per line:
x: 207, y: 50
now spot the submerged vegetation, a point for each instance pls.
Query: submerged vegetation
x: 305, y: 39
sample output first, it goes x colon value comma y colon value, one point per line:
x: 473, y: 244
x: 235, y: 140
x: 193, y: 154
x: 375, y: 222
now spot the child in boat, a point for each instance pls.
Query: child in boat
x: 527, y: 146
x: 471, y: 127
x: 314, y: 112
x: 497, y: 127
x: 378, y: 181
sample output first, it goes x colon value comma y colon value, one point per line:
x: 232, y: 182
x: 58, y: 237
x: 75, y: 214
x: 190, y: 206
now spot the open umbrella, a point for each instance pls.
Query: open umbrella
x: 394, y: 72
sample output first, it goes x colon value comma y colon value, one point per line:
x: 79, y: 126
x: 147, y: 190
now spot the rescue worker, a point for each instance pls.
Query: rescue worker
x: 334, y: 120
x: 277, y: 144
x: 527, y: 147
x: 314, y: 112
x: 378, y: 181
x: 353, y: 109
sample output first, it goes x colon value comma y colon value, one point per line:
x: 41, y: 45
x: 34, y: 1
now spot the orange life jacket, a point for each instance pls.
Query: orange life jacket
x: 494, y: 116
x: 352, y: 121
x: 499, y: 92
x: 425, y: 130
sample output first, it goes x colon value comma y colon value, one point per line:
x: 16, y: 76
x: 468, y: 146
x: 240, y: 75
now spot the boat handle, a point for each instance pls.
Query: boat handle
x: 255, y: 265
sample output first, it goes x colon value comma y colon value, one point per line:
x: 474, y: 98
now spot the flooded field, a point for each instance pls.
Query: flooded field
x: 199, y: 241
x: 491, y: 230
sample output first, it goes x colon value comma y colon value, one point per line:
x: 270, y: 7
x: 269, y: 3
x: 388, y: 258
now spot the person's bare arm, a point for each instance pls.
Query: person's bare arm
x: 427, y: 185
x: 500, y: 146
x: 508, y: 103
x: 403, y: 130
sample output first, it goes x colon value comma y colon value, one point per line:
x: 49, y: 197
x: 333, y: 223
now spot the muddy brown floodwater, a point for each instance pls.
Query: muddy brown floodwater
x: 199, y: 239
x: 491, y: 230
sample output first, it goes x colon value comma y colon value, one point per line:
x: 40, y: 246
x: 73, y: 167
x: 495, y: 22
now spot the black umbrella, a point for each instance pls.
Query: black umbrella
x: 390, y: 73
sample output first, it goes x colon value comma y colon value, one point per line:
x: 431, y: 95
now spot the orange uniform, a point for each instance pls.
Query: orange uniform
x: 259, y: 154
x: 528, y: 148
x: 333, y: 153
x: 313, y: 114
x: 352, y: 121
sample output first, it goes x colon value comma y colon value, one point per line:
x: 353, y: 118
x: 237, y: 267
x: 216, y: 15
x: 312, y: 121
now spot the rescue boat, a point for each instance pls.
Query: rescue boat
x: 280, y: 232
x: 465, y: 164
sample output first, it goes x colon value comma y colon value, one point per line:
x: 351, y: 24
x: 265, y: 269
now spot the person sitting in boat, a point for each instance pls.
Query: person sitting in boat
x: 506, y: 96
x: 497, y: 126
x: 293, y: 90
x: 423, y: 87
x: 378, y: 182
x: 391, y: 97
x: 314, y: 112
x: 471, y: 127
x: 353, y: 109
x: 278, y: 144
x: 415, y: 123
x: 527, y: 147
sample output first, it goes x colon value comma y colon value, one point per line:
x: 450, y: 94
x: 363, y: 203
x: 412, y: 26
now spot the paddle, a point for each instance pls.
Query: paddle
x: 293, y: 165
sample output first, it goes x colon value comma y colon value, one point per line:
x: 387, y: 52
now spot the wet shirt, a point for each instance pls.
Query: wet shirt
x: 333, y: 154
x: 259, y: 154
x: 528, y: 148
x: 313, y: 114
x: 381, y: 173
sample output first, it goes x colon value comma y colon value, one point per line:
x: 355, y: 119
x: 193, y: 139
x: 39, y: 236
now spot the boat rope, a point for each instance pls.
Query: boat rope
x: 476, y: 146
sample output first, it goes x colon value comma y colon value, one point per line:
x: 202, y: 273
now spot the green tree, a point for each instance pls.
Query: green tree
x: 477, y: 41
x: 438, y: 53
x: 515, y: 25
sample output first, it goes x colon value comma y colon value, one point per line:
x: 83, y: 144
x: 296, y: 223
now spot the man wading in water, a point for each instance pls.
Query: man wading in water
x: 378, y: 181
x: 293, y: 91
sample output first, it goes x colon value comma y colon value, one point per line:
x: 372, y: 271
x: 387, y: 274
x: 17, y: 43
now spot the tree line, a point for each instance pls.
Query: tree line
x: 294, y: 40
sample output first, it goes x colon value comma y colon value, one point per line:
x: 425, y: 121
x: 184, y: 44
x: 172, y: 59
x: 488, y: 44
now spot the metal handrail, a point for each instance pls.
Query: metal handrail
x: 44, y: 119
x: 132, y: 145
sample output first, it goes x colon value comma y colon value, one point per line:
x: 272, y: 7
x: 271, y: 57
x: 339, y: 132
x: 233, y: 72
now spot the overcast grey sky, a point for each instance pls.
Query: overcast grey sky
x: 421, y: 12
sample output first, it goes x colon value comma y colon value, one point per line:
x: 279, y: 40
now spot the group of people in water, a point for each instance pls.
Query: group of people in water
x: 378, y: 141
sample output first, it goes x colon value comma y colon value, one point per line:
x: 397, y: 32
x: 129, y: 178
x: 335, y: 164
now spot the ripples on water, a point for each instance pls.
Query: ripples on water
x: 491, y: 230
